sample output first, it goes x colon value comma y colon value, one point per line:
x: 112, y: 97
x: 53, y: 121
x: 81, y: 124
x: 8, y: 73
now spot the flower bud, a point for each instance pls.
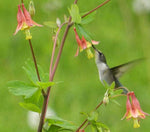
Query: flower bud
x: 31, y: 8
x: 106, y: 98
x: 58, y: 22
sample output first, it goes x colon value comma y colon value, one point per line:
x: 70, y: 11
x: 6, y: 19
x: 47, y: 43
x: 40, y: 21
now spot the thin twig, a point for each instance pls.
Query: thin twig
x: 35, y: 63
x: 95, y: 8
x: 61, y: 48
x: 54, y: 46
x: 81, y: 125
x: 86, y: 126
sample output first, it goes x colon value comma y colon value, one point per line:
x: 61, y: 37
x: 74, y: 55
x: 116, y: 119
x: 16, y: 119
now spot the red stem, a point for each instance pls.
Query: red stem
x: 95, y: 8
x: 53, y: 51
x: 35, y: 63
x: 46, y: 99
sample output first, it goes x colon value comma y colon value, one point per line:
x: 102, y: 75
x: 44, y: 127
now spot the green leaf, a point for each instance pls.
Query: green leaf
x: 82, y: 32
x: 45, y: 84
x: 89, y: 18
x: 93, y: 116
x: 74, y: 12
x: 31, y: 72
x: 61, y: 123
x: 50, y: 24
x: 112, y: 86
x: 30, y: 106
x: 36, y: 99
x: 99, y: 124
x: 21, y: 88
x: 53, y: 128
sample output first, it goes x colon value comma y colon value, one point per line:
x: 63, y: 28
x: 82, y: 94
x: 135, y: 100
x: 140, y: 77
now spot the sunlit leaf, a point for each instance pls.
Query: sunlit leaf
x: 21, y: 88
x: 45, y: 84
x: 74, y: 12
x: 30, y: 106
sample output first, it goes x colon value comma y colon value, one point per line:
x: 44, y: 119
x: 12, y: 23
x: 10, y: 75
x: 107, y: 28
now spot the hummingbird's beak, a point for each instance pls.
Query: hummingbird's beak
x: 96, y: 49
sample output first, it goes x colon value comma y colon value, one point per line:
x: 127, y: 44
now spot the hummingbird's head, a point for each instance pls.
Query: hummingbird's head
x: 99, y: 56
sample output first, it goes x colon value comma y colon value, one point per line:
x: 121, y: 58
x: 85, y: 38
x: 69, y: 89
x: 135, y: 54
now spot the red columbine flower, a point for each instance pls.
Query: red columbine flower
x: 134, y: 110
x: 24, y: 21
x: 83, y: 44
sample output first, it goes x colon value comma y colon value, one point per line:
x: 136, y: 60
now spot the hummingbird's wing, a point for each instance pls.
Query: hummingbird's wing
x: 118, y: 71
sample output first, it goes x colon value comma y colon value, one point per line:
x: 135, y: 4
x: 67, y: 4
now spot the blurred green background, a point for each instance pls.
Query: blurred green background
x: 124, y: 36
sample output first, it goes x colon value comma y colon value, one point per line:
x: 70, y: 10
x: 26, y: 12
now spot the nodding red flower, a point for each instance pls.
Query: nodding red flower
x: 83, y: 44
x: 134, y: 110
x: 24, y: 20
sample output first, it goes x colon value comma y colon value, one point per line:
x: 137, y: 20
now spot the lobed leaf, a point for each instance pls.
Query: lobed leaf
x: 74, y: 12
x: 21, y: 88
x: 32, y: 75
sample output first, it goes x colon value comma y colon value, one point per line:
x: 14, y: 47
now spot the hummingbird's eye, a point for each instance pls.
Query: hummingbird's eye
x: 100, y: 54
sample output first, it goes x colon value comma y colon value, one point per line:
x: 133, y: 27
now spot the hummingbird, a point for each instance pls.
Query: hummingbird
x: 110, y: 75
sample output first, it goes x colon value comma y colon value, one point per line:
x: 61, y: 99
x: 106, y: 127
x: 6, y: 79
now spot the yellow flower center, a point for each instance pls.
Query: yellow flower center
x: 89, y: 53
x: 136, y: 123
x: 25, y: 26
x: 28, y: 34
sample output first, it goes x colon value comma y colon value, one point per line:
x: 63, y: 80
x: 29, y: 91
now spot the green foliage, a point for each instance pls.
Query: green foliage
x: 89, y: 18
x: 19, y: 88
x: 74, y: 12
x: 58, y: 124
x: 96, y: 126
x: 44, y: 85
x: 30, y: 106
x: 36, y: 100
x: 31, y: 92
x: 82, y: 32
x: 29, y: 68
